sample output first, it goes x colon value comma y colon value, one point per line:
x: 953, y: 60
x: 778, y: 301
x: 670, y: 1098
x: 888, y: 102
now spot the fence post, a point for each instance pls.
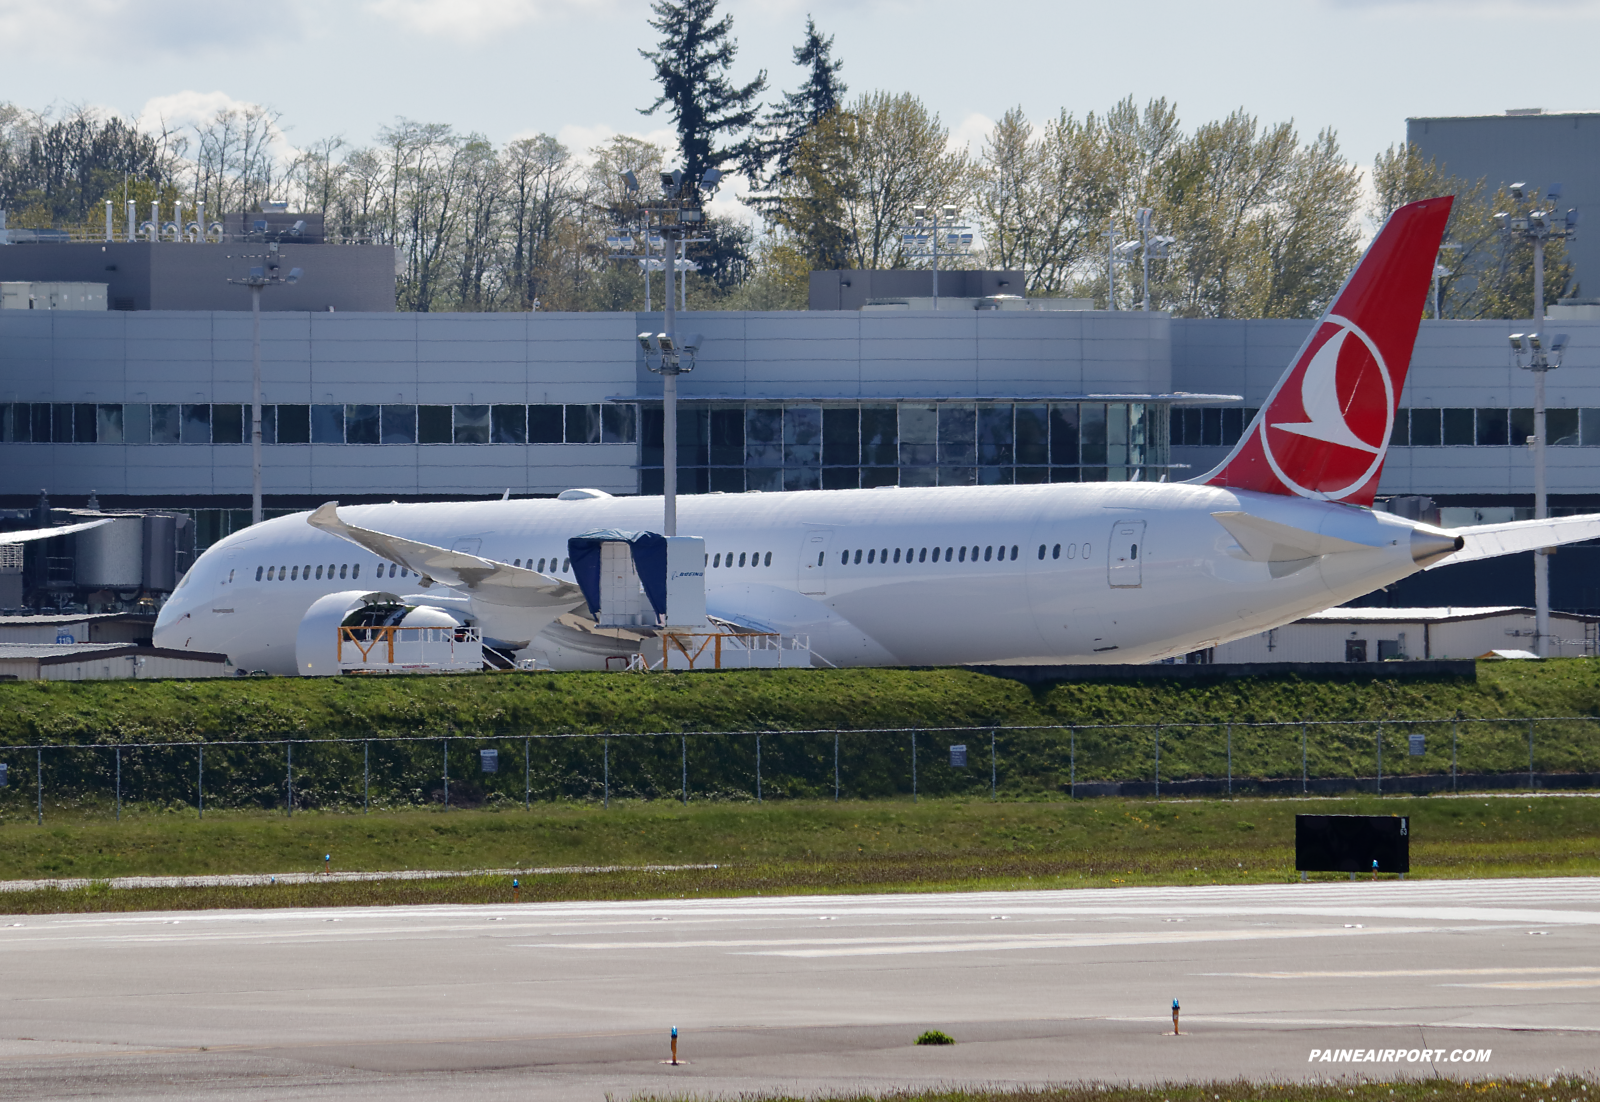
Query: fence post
x: 38, y: 775
x: 1072, y: 763
x: 200, y: 783
x: 527, y: 773
x: 758, y: 769
x: 1230, y: 761
x: 685, y: 748
x: 1530, y: 755
x: 446, y: 769
x: 1158, y: 761
x: 1305, y: 784
x: 994, y: 769
x: 119, y: 784
x: 288, y: 779
x: 1455, y: 731
x: 605, y: 750
x: 836, y: 767
x: 913, y: 767
x: 366, y: 775
x: 1380, y: 759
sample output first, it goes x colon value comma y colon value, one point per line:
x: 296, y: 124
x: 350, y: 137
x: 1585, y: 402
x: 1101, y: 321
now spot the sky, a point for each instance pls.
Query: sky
x: 513, y: 68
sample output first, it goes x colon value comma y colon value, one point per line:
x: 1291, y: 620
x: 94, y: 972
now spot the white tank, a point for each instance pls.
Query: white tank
x: 112, y: 555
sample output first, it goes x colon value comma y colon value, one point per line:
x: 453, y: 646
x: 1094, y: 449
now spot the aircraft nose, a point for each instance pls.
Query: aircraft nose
x: 1431, y: 545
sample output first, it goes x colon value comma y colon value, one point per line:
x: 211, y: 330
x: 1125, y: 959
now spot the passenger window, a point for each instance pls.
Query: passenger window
x: 516, y: 562
x: 819, y: 557
x: 768, y: 560
x: 1056, y: 554
x: 1072, y: 550
x: 870, y: 555
x: 355, y: 571
x: 963, y: 557
x: 883, y: 556
x: 947, y: 552
x: 1013, y: 552
x: 344, y: 570
x: 988, y: 553
x: 922, y: 556
x: 974, y: 553
x: 565, y: 563
x: 258, y: 573
x: 1041, y: 552
x: 718, y: 560
x: 896, y: 554
x: 541, y: 566
x: 294, y: 575
x: 1133, y: 552
x: 392, y: 569
x: 741, y: 558
x: 307, y: 574
x: 319, y: 572
x: 844, y: 559
x: 1086, y: 550
x: 858, y: 556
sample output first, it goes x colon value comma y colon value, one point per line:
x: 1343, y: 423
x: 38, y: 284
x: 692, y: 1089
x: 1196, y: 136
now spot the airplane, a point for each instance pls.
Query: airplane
x: 1109, y: 572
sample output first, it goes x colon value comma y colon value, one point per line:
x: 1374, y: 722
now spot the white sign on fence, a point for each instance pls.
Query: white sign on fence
x: 490, y: 760
x: 1417, y: 746
x: 958, y: 756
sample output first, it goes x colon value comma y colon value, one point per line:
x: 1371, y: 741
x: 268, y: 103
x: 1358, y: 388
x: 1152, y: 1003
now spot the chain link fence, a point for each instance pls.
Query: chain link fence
x: 508, y: 769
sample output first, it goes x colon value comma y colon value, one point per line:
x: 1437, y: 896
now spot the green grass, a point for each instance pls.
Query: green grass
x: 791, y: 848
x: 1347, y: 1087
x: 751, y: 700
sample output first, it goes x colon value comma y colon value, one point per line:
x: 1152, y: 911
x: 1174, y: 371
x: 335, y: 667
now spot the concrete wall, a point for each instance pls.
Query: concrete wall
x: 852, y: 289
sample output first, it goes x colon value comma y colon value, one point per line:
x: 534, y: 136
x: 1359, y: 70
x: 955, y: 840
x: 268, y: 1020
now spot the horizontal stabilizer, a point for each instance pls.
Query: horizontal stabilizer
x: 1268, y: 541
x: 47, y: 533
x: 1487, y: 541
x: 486, y: 580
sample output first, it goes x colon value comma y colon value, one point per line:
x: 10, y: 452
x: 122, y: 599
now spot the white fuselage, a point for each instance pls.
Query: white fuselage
x: 1186, y: 587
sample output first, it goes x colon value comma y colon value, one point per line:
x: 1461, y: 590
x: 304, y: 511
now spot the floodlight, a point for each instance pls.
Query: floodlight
x: 647, y: 342
x: 1572, y: 218
x: 298, y: 228
x: 258, y: 273
x: 294, y: 275
x: 677, y: 177
x: 613, y: 242
x: 711, y: 177
x: 1534, y: 341
x: 950, y: 214
x: 665, y: 341
x: 1516, y: 342
x: 1554, y: 193
x: 690, y: 341
x: 1517, y: 190
x: 1558, y: 343
x: 630, y: 180
x: 666, y: 181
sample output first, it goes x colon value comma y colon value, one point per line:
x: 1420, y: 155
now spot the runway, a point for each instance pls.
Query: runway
x: 805, y: 994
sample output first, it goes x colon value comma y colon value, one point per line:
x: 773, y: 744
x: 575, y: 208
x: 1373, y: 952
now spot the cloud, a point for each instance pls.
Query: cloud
x: 584, y: 139
x: 185, y: 113
x: 163, y: 26
x: 969, y: 133
x: 476, y: 20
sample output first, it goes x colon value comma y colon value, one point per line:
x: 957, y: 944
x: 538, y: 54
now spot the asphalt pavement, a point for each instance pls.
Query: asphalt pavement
x: 806, y: 994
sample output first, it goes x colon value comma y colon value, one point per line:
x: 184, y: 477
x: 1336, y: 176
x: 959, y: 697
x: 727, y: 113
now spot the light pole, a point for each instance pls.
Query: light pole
x: 1148, y: 246
x: 264, y: 276
x: 677, y: 214
x: 928, y: 231
x: 1531, y: 354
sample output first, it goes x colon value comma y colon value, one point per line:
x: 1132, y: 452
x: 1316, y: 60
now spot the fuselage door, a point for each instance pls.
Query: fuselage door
x: 1126, y: 554
x: 814, y: 562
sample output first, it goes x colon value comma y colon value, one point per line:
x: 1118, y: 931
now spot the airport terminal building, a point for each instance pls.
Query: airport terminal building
x: 148, y: 409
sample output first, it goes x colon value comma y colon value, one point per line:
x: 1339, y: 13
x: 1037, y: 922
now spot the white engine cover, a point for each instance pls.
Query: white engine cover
x: 316, y: 643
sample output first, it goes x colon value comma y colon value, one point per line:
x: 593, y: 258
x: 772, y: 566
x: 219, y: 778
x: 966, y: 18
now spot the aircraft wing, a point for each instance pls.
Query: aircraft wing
x: 46, y: 533
x: 485, y: 579
x: 1486, y: 541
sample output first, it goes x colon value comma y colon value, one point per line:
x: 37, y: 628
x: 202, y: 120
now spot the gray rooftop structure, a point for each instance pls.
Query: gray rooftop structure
x: 1530, y: 146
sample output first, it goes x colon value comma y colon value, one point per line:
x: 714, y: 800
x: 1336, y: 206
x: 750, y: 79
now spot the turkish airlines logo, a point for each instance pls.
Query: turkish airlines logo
x: 1328, y: 426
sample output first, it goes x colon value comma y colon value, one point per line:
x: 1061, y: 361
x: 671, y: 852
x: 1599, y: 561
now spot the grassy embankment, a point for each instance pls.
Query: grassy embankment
x: 777, y: 848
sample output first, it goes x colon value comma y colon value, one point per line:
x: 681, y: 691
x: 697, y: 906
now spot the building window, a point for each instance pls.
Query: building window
x: 294, y: 424
x: 361, y: 425
x: 471, y: 425
x: 227, y: 424
x: 508, y: 424
x: 398, y: 424
x: 327, y: 424
x: 583, y: 424
x: 433, y: 425
x: 545, y: 425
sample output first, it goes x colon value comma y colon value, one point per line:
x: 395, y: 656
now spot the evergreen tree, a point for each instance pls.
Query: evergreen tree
x: 790, y: 121
x: 692, y: 61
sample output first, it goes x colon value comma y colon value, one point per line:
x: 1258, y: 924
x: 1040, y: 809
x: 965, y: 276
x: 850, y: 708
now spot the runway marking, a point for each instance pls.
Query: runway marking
x: 961, y: 943
x: 1534, y: 985
x: 1355, y: 974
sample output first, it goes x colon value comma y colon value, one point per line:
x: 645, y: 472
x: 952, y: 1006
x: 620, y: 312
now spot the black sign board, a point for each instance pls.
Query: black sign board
x: 958, y: 756
x: 490, y: 760
x: 1351, y: 843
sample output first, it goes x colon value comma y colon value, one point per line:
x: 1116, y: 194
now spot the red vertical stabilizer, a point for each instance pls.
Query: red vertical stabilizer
x: 1324, y: 431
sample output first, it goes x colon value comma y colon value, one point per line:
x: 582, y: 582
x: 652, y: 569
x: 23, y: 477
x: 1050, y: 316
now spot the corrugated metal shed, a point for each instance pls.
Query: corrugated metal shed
x: 1379, y: 634
x: 104, y: 662
x: 101, y: 627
